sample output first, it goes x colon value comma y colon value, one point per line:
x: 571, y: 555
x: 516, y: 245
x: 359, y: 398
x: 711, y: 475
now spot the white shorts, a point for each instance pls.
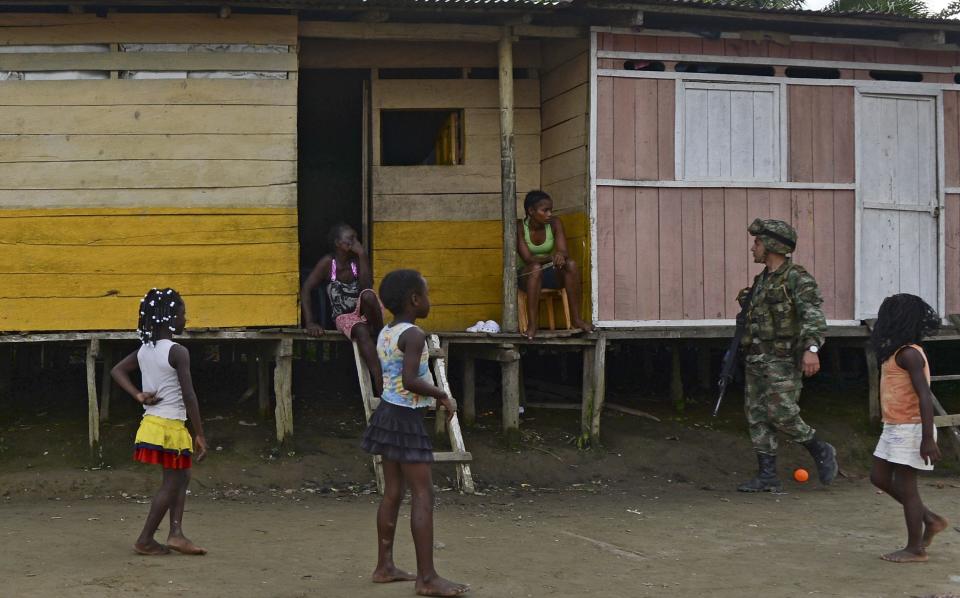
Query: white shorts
x: 900, y: 443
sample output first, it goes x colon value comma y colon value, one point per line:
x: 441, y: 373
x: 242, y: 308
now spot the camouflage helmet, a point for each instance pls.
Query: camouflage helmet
x: 776, y: 235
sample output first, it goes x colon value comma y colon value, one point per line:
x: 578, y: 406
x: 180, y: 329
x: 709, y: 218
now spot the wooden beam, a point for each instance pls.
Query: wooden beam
x: 873, y: 383
x: 400, y: 31
x: 508, y: 184
x: 148, y: 61
x: 93, y: 415
x: 547, y: 31
x: 594, y: 391
x: 263, y: 382
x: 469, y: 391
x: 106, y: 382
x: 282, y: 389
x: 943, y: 421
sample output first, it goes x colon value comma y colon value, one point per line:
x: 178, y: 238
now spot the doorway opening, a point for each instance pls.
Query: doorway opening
x: 331, y: 126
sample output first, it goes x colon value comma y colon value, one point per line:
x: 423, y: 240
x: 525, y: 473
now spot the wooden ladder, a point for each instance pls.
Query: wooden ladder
x: 459, y: 454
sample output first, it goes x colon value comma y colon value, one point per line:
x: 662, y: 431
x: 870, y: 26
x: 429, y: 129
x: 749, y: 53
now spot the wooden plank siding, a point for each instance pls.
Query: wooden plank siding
x: 564, y: 145
x: 952, y: 254
x: 636, y: 140
x: 821, y: 134
x: 112, y: 187
x: 685, y: 253
x: 445, y: 220
x: 462, y: 261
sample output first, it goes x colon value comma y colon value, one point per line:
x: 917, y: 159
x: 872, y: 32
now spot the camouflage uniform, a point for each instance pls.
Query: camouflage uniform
x: 783, y: 319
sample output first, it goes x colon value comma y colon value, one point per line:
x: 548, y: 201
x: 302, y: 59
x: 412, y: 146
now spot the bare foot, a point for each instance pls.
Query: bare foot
x: 933, y: 527
x: 151, y: 548
x: 531, y: 332
x: 906, y: 556
x: 184, y: 546
x: 391, y: 574
x: 439, y: 586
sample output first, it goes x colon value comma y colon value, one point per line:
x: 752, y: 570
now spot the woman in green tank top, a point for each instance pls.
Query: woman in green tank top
x: 543, y: 263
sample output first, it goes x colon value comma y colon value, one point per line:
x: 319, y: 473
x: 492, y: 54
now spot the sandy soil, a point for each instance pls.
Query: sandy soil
x: 651, y: 513
x: 672, y: 541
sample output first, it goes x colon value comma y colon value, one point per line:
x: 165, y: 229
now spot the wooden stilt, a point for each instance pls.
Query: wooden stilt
x: 836, y: 366
x: 676, y: 377
x: 873, y: 383
x: 594, y: 391
x: 469, y: 407
x: 648, y: 354
x: 508, y: 191
x: 282, y: 389
x: 106, y: 382
x: 252, y: 378
x: 93, y: 415
x: 510, y: 390
x: 263, y: 382
x: 704, y: 369
x: 6, y: 370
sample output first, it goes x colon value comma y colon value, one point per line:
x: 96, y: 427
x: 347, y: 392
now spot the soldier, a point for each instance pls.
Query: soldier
x: 784, y: 331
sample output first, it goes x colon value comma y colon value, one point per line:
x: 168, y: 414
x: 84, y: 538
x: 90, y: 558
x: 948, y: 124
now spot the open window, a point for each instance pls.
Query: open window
x: 729, y: 132
x: 421, y: 137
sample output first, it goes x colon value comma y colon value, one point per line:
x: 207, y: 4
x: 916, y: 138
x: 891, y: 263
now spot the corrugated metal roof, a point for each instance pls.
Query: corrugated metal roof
x: 746, y: 7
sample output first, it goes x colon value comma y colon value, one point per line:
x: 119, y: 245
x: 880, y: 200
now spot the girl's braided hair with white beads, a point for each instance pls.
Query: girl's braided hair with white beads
x: 158, y: 308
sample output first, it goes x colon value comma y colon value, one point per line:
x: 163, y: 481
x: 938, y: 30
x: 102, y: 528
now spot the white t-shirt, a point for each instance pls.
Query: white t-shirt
x: 160, y: 378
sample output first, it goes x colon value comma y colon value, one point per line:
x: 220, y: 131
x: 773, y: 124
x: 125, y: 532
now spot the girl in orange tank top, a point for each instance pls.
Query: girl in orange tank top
x: 909, y: 439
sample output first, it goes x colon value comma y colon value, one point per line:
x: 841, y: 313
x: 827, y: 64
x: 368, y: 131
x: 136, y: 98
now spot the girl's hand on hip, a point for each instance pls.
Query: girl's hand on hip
x: 147, y: 398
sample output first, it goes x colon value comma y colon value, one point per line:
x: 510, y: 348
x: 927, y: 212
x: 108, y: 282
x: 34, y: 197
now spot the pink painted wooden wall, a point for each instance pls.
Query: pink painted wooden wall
x: 952, y: 245
x: 635, y: 129
x: 821, y: 132
x: 770, y: 48
x: 672, y: 254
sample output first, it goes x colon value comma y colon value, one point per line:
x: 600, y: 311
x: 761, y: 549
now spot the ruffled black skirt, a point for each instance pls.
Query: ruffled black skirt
x: 398, y: 434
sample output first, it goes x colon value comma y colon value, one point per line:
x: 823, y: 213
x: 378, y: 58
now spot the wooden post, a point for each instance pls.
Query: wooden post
x: 508, y: 186
x: 469, y: 391
x: 510, y: 389
x: 263, y: 382
x: 836, y: 366
x: 594, y: 390
x: 704, y: 374
x: 873, y: 383
x: 676, y: 377
x: 106, y: 382
x: 282, y: 389
x: 6, y: 370
x: 93, y: 415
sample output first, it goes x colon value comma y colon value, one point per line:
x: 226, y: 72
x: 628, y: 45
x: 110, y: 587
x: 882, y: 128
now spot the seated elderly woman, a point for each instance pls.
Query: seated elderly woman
x: 542, y: 246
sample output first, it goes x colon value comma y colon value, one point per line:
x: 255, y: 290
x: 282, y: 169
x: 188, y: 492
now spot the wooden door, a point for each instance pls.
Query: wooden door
x: 898, y: 198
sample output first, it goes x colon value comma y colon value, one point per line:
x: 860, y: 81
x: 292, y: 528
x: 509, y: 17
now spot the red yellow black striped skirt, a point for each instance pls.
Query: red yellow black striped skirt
x: 163, y: 441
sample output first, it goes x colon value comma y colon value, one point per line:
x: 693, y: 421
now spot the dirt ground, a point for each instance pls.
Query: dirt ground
x: 651, y: 513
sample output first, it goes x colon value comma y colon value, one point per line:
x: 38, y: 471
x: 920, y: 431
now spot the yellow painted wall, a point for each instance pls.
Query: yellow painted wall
x: 110, y: 187
x: 68, y: 269
x: 462, y: 262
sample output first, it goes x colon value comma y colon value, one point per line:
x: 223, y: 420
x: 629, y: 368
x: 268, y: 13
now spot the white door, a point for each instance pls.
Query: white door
x: 898, y: 199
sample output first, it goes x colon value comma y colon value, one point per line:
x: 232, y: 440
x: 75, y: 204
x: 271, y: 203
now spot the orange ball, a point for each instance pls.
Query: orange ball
x: 801, y: 475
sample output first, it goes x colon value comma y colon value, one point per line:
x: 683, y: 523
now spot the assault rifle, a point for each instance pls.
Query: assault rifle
x: 731, y: 359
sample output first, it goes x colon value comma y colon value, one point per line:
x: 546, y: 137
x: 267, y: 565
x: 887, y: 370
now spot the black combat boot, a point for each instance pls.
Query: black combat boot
x: 825, y: 457
x: 766, y: 480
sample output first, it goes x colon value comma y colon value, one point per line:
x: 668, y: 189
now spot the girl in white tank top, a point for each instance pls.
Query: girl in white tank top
x: 168, y: 400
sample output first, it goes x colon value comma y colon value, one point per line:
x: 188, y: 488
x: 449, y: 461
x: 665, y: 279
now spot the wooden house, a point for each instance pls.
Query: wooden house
x: 210, y: 147
x: 852, y: 140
